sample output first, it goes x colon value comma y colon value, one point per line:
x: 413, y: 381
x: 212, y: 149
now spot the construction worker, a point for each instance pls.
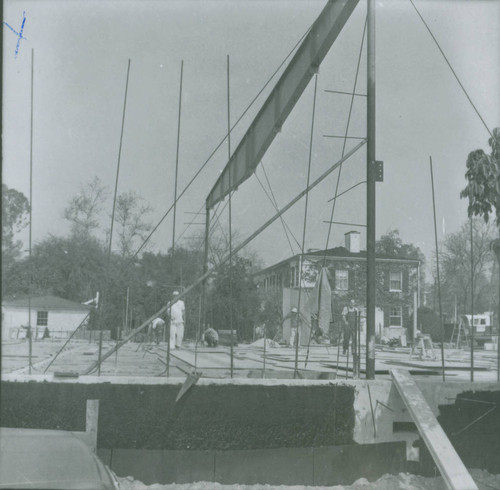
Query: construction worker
x: 177, y: 313
x: 211, y: 337
x: 155, y: 329
x: 294, y: 327
x: 349, y: 315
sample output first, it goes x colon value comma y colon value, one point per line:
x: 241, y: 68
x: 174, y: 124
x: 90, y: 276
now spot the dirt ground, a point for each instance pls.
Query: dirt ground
x: 404, y: 481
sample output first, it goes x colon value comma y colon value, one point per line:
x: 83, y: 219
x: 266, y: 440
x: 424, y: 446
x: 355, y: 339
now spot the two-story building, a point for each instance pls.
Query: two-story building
x: 397, y: 285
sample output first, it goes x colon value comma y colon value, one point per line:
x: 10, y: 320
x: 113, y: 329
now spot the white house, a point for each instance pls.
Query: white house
x: 59, y: 315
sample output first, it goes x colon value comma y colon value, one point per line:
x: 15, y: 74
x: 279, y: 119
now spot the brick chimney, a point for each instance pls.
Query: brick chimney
x: 352, y: 242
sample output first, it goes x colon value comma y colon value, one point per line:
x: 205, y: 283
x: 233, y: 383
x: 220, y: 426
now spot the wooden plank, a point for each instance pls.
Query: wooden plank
x: 92, y: 422
x: 450, y: 465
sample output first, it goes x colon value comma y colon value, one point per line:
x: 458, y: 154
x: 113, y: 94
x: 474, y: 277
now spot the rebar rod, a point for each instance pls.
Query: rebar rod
x: 471, y: 302
x: 299, y: 323
x: 30, y: 333
x: 239, y: 247
x: 177, y: 160
x: 101, y: 308
x: 230, y: 219
x: 437, y: 271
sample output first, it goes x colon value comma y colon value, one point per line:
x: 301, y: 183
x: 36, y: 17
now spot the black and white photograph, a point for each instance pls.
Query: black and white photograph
x: 250, y: 245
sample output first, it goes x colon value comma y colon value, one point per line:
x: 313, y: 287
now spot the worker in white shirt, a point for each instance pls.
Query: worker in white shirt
x: 177, y: 313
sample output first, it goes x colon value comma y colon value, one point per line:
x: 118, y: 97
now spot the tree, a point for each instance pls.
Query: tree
x: 483, y: 185
x: 392, y: 244
x: 456, y: 268
x: 270, y: 314
x: 84, y: 209
x: 15, y: 216
x: 65, y: 267
x: 483, y: 177
x: 130, y: 214
x: 233, y: 298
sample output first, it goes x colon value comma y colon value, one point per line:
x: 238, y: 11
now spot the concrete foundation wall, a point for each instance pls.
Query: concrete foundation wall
x: 283, y: 466
x: 247, y: 415
x: 140, y: 414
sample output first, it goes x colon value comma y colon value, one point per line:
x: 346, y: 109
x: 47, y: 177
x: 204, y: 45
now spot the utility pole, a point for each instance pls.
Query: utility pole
x: 370, y: 194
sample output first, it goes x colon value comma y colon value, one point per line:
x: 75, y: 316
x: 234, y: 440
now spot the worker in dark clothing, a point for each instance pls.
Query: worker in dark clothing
x: 350, y: 316
x: 211, y: 337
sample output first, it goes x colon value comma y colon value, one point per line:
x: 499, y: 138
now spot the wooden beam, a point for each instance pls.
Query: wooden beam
x: 450, y: 465
x: 92, y: 421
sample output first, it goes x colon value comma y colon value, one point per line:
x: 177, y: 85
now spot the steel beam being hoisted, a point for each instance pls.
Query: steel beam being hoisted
x: 282, y: 99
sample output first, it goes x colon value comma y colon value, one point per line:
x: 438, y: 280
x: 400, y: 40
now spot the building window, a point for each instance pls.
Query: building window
x: 294, y: 277
x: 396, y: 317
x: 341, y: 280
x: 395, y: 281
x: 42, y: 318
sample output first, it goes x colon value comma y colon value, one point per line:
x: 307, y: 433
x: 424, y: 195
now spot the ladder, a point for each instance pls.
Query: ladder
x: 459, y: 335
x: 423, y: 348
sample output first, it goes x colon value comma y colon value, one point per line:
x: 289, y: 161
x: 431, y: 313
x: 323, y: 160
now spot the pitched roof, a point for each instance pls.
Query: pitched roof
x: 44, y: 302
x: 341, y: 253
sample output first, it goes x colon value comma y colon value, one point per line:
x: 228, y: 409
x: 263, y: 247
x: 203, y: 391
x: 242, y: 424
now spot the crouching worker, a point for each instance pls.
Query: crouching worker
x: 156, y: 329
x: 211, y: 337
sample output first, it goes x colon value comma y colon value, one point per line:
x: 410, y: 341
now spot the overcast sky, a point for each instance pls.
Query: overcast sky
x: 81, y: 50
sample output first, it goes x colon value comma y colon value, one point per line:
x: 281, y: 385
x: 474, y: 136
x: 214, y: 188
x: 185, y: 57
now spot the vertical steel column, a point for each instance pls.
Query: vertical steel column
x: 370, y: 195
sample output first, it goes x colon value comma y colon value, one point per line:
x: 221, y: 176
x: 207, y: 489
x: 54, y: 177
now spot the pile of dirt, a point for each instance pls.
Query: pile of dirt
x: 402, y: 481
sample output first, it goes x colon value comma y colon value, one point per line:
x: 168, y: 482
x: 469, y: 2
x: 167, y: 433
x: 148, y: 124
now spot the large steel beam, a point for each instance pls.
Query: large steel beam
x: 283, y: 98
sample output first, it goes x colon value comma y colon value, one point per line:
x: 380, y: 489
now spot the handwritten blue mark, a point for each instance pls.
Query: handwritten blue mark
x: 18, y: 34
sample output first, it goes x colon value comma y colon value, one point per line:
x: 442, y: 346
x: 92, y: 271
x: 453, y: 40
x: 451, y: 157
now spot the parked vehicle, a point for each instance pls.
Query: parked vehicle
x: 483, y: 328
x: 56, y: 459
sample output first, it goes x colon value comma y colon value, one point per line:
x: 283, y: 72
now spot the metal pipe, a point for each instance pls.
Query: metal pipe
x: 471, y: 302
x: 67, y: 341
x: 304, y: 234
x: 370, y: 195
x: 264, y: 354
x: 205, y: 267
x: 230, y: 220
x: 177, y: 159
x: 126, y: 309
x: 437, y: 267
x: 101, y: 309
x: 169, y: 329
x: 30, y: 333
x: 344, y: 93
